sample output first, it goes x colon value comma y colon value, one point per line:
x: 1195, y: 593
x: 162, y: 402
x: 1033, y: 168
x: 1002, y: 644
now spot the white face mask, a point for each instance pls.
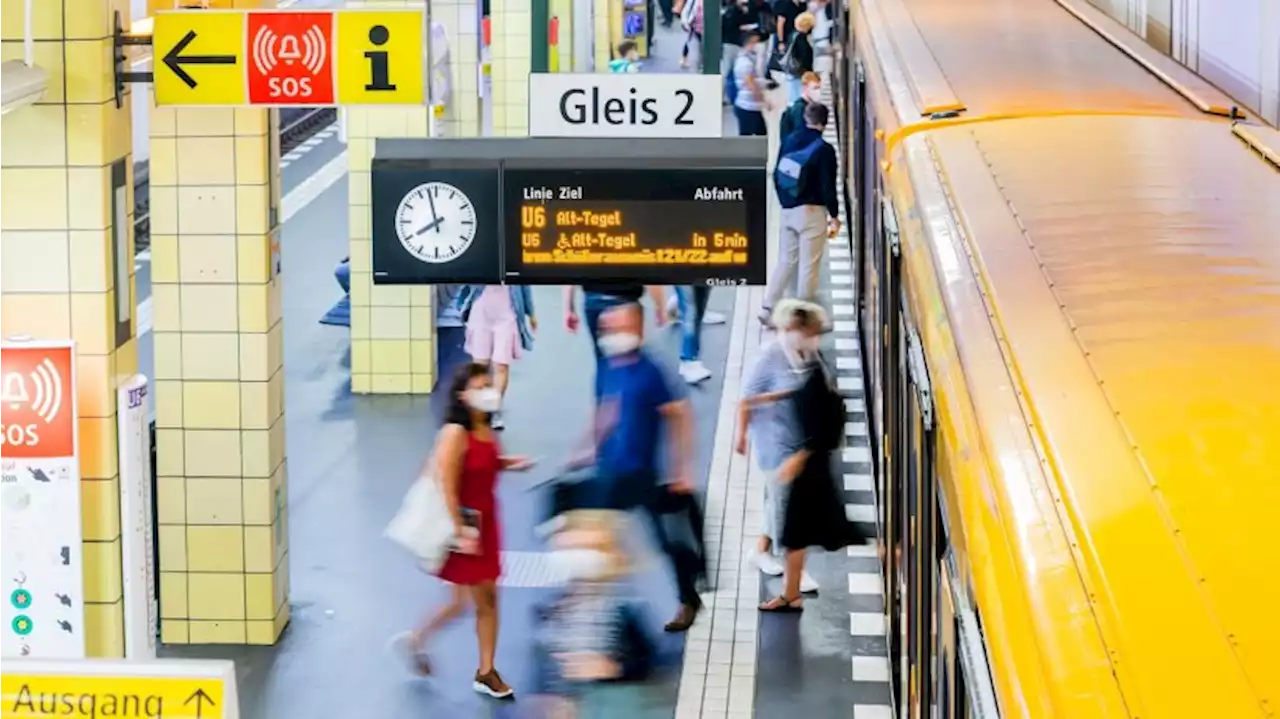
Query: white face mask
x: 484, y: 399
x: 618, y: 343
x: 580, y: 563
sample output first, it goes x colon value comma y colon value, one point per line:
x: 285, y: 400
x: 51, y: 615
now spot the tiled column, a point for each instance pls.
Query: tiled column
x: 393, y: 328
x: 604, y: 34
x: 223, y: 542
x: 511, y: 55
x: 461, y: 21
x: 63, y: 262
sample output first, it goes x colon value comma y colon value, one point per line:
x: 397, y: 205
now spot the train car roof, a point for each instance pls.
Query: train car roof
x: 1021, y: 57
x: 1132, y: 269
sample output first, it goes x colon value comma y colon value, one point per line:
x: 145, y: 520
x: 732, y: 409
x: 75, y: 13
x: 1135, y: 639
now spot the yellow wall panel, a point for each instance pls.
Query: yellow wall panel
x: 253, y: 351
x: 252, y: 158
x: 259, y: 594
x: 222, y: 632
x: 100, y: 509
x: 257, y: 460
x: 35, y: 261
x: 91, y: 188
x: 98, y: 450
x: 422, y: 356
x: 164, y: 258
x: 95, y: 385
x: 254, y: 308
x: 250, y: 121
x: 255, y: 409
x: 90, y: 255
x: 390, y: 356
x: 34, y: 198
x: 90, y: 79
x: 42, y: 316
x: 97, y: 134
x: 253, y: 258
x: 207, y: 259
x: 259, y: 549
x: 259, y: 501
x: 168, y: 404
x: 204, y: 122
x: 170, y: 449
x: 175, y: 631
x: 173, y: 595
x: 162, y: 166
x: 171, y: 500
x: 92, y: 18
x: 210, y: 405
x: 252, y: 210
x: 210, y: 356
x: 206, y: 210
x: 93, y: 322
x: 172, y: 547
x: 102, y: 579
x: 215, y: 596
x: 164, y: 210
x: 208, y: 308
x: 214, y: 501
x: 215, y: 549
x: 389, y: 323
x: 211, y: 452
x: 206, y: 161
x: 104, y: 629
x: 163, y: 120
x: 391, y: 384
x: 166, y: 304
x: 34, y: 137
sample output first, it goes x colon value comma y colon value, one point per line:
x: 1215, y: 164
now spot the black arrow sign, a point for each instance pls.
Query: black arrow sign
x: 199, y: 697
x: 174, y: 59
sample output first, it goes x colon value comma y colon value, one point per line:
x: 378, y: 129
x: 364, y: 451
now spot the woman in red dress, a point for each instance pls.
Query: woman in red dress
x: 467, y: 463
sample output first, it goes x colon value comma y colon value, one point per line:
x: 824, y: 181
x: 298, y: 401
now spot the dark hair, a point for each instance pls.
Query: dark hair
x: 458, y: 411
x: 752, y: 35
x: 625, y: 47
x: 816, y: 114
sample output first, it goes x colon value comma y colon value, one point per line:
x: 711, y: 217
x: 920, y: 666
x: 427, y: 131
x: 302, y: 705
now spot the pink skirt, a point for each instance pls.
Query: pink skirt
x: 493, y: 330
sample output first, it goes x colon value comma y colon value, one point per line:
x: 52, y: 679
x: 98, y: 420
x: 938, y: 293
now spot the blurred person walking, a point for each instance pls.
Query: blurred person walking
x: 500, y: 325
x: 467, y: 461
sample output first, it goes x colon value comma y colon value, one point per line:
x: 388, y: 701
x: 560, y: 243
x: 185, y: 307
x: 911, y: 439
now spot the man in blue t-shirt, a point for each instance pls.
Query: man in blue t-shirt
x: 636, y: 404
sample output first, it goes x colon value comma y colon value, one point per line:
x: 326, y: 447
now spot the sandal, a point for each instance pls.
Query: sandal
x: 783, y: 605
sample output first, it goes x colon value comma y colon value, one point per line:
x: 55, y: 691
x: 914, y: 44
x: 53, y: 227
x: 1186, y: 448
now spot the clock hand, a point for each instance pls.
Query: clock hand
x: 435, y: 216
x: 433, y: 225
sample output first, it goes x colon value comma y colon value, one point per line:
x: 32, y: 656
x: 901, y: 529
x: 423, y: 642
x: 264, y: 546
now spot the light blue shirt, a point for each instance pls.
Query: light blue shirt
x: 744, y: 67
x: 775, y: 434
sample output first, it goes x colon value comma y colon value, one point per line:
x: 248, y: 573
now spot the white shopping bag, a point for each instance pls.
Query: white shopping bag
x: 423, y: 525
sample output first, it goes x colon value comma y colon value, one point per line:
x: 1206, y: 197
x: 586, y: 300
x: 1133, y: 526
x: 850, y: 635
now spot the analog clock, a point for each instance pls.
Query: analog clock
x: 436, y: 222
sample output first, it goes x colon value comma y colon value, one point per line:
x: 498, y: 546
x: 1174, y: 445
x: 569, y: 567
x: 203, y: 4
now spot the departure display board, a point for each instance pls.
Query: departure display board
x: 569, y: 211
x: 670, y: 226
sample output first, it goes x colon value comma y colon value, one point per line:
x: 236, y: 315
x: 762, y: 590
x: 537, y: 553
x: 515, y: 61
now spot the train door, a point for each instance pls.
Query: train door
x: 858, y: 232
x: 890, y: 479
x: 921, y: 527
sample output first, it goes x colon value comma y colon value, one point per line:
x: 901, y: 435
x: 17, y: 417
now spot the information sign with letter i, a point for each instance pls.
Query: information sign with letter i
x: 43, y: 578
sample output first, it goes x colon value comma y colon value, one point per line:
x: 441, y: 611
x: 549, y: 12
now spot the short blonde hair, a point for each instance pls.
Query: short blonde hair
x: 805, y: 21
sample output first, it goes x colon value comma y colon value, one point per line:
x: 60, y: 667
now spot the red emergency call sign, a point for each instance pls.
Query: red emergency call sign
x: 37, y: 401
x: 290, y: 58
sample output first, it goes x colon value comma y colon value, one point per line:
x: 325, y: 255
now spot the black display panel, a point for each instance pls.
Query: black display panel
x: 672, y: 226
x: 437, y: 228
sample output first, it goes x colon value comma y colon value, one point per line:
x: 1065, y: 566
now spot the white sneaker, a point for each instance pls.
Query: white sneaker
x: 710, y: 317
x: 768, y: 564
x: 694, y: 371
x: 808, y: 585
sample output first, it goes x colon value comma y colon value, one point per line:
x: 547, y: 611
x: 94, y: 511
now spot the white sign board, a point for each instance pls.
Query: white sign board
x: 625, y: 105
x: 137, y: 537
x: 43, y: 576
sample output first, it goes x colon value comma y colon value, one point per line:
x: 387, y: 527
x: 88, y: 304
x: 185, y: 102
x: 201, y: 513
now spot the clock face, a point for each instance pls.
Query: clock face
x: 436, y: 222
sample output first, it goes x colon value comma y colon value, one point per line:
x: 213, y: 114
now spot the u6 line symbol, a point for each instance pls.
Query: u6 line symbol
x: 289, y: 57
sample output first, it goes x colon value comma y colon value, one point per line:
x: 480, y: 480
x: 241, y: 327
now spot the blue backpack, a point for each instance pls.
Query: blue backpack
x: 791, y: 175
x: 731, y: 87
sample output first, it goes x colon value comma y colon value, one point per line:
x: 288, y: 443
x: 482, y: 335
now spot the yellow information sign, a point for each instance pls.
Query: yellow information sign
x: 199, y: 57
x: 90, y: 689
x: 379, y: 57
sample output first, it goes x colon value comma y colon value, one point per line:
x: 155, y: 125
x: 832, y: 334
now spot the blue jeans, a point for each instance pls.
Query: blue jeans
x: 795, y: 89
x: 693, y: 305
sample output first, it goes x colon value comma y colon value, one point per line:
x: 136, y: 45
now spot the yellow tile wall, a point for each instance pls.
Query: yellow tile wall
x: 392, y: 327
x: 57, y: 271
x: 461, y: 19
x: 222, y: 480
x: 604, y: 43
x: 511, y: 23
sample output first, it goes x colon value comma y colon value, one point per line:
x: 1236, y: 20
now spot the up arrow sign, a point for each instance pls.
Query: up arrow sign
x: 174, y: 59
x: 200, y: 698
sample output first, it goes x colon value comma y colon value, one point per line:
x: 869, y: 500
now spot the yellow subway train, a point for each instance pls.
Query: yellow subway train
x: 1067, y: 256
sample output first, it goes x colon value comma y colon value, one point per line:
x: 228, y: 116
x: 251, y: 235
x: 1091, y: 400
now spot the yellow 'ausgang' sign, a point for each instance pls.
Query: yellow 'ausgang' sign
x: 95, y: 689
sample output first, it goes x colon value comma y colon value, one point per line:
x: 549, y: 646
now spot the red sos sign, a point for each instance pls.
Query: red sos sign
x: 290, y: 58
x: 37, y: 402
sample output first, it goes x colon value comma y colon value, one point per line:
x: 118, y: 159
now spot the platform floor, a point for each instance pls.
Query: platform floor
x: 352, y: 457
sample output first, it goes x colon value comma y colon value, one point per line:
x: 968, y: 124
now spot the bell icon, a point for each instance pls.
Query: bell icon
x: 15, y: 390
x: 289, y: 49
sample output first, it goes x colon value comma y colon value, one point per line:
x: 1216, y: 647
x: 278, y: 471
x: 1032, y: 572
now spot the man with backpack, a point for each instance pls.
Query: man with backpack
x: 805, y: 179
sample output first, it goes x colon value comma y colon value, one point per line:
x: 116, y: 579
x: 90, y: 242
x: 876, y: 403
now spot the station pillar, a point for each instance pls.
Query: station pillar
x: 512, y: 26
x: 460, y: 20
x: 393, y: 328
x: 220, y: 435
x: 67, y: 258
